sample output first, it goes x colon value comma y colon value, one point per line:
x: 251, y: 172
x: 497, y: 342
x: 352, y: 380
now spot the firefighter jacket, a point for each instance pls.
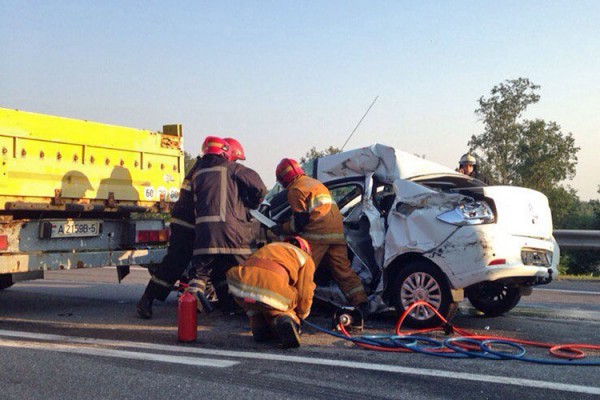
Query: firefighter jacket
x: 316, y: 216
x: 222, y: 192
x: 278, y: 275
x: 183, y: 210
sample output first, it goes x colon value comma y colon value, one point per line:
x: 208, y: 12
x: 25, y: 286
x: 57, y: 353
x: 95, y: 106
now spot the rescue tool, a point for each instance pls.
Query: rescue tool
x: 348, y: 317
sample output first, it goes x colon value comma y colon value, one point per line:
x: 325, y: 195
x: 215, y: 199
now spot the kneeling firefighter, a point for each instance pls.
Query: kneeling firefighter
x: 275, y: 287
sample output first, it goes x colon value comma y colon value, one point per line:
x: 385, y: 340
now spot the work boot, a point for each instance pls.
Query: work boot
x: 261, y: 331
x: 196, y: 288
x: 144, y: 307
x: 202, y: 303
x: 287, y: 331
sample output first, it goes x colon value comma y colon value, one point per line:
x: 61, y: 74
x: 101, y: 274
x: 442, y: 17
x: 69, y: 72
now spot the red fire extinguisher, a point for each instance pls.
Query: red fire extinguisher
x: 187, y: 326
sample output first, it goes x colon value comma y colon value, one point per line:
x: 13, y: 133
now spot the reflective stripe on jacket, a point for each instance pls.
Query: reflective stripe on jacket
x: 183, y: 210
x: 222, y: 191
x: 308, y: 195
x: 292, y: 288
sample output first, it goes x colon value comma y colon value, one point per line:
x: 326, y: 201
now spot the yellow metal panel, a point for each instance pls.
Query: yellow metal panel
x: 6, y: 146
x: 48, y: 152
x: 48, y: 157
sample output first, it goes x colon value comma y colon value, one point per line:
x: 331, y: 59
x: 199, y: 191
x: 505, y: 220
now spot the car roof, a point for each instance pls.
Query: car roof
x: 384, y: 162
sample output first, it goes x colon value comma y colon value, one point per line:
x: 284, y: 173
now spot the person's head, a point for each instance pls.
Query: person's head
x: 237, y: 151
x: 287, y: 171
x: 216, y: 146
x: 467, y: 164
x: 300, y: 243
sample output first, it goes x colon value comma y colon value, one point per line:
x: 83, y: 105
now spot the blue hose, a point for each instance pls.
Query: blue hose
x: 431, y: 347
x: 485, y: 346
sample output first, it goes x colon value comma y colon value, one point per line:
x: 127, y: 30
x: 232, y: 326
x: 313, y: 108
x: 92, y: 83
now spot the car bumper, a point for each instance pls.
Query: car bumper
x: 483, y: 253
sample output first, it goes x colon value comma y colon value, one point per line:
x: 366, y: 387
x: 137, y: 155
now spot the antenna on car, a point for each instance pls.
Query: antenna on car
x: 361, y: 120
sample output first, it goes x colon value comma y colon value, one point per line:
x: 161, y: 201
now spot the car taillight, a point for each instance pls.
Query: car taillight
x: 152, y: 236
x: 468, y: 213
x: 497, y: 261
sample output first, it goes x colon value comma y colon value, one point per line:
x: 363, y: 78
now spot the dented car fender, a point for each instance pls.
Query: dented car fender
x: 413, y: 224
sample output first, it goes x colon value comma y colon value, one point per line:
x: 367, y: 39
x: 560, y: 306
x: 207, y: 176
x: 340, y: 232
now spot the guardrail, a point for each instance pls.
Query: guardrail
x: 577, y: 239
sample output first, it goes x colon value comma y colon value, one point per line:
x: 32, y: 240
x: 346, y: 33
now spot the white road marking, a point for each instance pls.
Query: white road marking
x: 131, y: 355
x: 568, y: 291
x: 313, y: 361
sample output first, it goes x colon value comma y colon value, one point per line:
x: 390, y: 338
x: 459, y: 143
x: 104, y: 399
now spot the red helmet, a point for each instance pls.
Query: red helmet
x: 287, y: 170
x: 299, y: 242
x: 217, y: 146
x: 237, y: 151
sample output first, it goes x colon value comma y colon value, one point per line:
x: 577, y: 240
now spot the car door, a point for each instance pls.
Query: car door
x: 352, y: 200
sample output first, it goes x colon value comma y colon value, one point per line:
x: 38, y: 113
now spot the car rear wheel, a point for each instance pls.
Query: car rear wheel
x: 493, y: 299
x: 421, y: 281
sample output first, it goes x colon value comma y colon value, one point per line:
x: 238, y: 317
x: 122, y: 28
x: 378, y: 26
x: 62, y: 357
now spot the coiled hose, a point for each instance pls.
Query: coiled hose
x: 465, y: 345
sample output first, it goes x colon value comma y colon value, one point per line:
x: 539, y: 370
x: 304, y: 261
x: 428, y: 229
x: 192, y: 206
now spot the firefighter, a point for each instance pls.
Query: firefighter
x: 179, y: 252
x: 236, y: 150
x: 275, y: 287
x: 467, y: 165
x: 218, y: 281
x: 223, y: 192
x: 181, y: 241
x: 316, y: 217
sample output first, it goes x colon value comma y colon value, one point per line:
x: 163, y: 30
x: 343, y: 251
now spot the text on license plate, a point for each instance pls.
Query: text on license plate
x: 61, y: 229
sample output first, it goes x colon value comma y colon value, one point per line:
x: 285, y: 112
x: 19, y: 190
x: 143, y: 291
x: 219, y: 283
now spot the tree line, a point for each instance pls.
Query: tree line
x: 536, y: 154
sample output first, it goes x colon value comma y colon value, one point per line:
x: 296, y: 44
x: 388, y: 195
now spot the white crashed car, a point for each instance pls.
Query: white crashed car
x: 417, y: 230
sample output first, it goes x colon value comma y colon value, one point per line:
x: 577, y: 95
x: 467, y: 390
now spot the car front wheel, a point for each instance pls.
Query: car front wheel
x: 421, y: 281
x: 493, y: 298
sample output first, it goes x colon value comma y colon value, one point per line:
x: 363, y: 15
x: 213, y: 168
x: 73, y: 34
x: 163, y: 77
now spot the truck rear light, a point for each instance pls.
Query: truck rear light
x: 497, y: 261
x: 152, y: 236
x: 3, y: 242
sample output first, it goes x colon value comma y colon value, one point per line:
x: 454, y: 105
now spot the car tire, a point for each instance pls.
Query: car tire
x: 420, y: 280
x: 493, y: 299
x: 5, y: 281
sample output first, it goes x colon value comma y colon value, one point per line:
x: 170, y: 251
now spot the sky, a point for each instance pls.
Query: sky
x: 284, y: 76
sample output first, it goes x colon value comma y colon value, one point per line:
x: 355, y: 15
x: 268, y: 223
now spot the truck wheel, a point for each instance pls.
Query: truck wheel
x: 493, y: 298
x: 5, y: 281
x: 422, y: 281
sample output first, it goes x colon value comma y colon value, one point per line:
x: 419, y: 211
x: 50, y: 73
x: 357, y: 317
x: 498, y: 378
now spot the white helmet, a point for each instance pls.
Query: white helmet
x: 467, y: 159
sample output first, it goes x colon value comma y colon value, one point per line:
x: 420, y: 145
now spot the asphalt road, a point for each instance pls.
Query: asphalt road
x: 76, y: 335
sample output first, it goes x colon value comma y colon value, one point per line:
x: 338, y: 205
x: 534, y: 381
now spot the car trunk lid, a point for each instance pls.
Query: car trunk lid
x: 521, y: 211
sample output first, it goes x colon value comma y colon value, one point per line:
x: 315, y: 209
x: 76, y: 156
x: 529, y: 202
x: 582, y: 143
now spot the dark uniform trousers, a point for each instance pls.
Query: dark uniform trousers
x: 213, y: 267
x: 172, y: 266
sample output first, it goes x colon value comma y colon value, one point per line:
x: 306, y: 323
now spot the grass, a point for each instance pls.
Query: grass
x: 567, y: 277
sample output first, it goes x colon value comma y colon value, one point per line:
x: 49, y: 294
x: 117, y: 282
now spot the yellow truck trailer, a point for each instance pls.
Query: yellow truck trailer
x: 79, y: 194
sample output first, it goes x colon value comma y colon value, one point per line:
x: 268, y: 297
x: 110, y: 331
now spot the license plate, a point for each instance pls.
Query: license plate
x: 66, y: 229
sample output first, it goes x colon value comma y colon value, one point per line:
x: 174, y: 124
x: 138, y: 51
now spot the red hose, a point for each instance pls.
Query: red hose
x: 566, y: 351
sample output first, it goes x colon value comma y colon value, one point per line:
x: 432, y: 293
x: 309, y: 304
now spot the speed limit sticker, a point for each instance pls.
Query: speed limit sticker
x: 149, y: 192
x: 173, y: 194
